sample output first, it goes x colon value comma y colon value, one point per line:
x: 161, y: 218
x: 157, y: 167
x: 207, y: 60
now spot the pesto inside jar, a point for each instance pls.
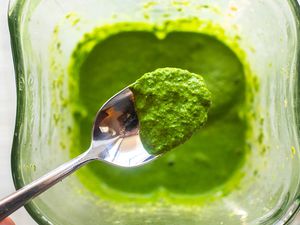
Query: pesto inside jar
x: 115, y: 55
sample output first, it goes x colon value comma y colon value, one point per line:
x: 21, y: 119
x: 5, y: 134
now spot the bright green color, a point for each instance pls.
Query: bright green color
x: 120, y: 53
x: 171, y: 104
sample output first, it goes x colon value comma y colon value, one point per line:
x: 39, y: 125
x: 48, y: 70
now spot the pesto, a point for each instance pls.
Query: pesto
x: 112, y: 56
x: 171, y: 105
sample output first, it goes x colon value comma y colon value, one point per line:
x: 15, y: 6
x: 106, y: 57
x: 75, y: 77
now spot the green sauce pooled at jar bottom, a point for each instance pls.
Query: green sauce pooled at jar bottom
x: 113, y: 56
x: 171, y: 104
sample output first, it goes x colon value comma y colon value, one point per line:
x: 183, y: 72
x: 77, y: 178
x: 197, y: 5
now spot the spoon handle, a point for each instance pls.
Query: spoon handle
x: 19, y: 198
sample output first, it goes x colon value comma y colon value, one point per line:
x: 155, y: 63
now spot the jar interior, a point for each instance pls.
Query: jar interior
x: 268, y: 179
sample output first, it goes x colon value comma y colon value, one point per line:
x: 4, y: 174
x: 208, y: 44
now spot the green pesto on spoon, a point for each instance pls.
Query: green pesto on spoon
x: 160, y: 111
x: 171, y: 105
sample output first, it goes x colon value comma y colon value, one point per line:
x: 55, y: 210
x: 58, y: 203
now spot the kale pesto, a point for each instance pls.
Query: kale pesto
x: 114, y: 55
x: 171, y: 104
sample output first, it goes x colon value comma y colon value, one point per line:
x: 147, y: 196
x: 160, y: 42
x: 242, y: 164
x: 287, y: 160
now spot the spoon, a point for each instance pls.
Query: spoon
x: 115, y: 140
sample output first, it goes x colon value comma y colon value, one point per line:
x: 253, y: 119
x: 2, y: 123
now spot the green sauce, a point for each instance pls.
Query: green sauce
x: 113, y: 56
x: 171, y: 105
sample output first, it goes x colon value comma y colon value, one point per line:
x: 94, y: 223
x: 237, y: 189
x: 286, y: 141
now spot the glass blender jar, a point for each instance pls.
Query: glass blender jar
x: 44, y: 34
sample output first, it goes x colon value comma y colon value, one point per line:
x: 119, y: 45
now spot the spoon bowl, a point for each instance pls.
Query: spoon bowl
x: 115, y: 137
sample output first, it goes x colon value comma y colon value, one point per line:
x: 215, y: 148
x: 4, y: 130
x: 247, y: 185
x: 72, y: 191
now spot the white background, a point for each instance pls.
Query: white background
x: 7, y: 116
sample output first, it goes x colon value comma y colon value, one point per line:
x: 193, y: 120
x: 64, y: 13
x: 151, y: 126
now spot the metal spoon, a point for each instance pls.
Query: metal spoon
x: 115, y: 140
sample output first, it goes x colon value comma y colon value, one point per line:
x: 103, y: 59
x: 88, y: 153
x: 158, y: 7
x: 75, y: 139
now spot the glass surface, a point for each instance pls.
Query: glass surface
x: 269, y: 34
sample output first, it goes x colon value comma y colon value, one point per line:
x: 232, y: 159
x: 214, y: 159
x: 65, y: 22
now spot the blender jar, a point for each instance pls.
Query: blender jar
x: 44, y: 34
